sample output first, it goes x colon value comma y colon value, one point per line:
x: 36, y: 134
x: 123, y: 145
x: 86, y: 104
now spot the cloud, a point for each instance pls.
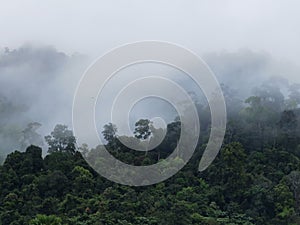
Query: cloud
x: 245, y: 69
x: 97, y: 26
x: 36, y: 84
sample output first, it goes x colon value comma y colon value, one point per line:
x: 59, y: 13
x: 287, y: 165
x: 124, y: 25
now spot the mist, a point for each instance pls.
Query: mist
x: 37, y: 84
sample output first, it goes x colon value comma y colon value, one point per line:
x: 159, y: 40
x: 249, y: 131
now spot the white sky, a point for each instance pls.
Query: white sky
x: 94, y: 27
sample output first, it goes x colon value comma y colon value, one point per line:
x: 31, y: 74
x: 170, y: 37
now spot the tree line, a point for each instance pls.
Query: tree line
x: 255, y: 179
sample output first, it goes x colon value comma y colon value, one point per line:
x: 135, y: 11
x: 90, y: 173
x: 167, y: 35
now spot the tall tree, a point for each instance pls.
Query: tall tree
x: 288, y: 129
x: 142, y: 129
x: 61, y: 139
x: 109, y: 132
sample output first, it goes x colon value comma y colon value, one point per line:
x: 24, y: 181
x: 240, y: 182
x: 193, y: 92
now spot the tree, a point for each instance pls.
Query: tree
x: 109, y: 133
x: 54, y: 184
x: 230, y: 173
x: 84, y: 150
x: 294, y: 181
x: 258, y: 117
x: 46, y: 220
x: 233, y: 103
x: 271, y: 95
x: 294, y: 97
x: 30, y: 136
x: 61, y: 140
x: 288, y: 129
x: 284, y: 202
x: 82, y: 181
x: 142, y: 129
x: 28, y: 162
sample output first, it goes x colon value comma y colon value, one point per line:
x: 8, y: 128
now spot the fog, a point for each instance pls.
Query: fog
x: 37, y: 84
x: 203, y: 26
x: 46, y: 47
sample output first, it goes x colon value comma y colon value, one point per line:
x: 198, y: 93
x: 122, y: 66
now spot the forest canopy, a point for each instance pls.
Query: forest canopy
x: 255, y: 179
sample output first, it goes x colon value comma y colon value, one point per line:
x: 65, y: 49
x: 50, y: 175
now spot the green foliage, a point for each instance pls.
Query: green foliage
x: 142, y: 129
x: 283, y: 201
x: 61, y: 140
x: 109, y: 132
x: 46, y: 220
x: 254, y: 180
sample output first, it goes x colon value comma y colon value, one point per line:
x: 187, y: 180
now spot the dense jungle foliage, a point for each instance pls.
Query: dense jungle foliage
x: 255, y: 179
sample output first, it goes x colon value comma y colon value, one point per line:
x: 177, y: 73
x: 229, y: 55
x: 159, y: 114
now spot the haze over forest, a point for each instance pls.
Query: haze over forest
x: 244, y: 43
x: 37, y: 84
x: 48, y: 178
